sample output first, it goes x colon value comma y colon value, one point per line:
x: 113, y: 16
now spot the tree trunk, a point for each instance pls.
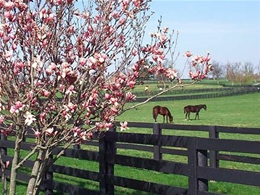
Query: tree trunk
x: 12, y: 190
x: 41, y: 174
x: 31, y: 187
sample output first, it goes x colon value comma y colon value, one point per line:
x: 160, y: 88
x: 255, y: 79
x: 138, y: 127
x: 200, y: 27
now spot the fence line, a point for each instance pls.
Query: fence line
x: 226, y: 92
x: 197, y: 150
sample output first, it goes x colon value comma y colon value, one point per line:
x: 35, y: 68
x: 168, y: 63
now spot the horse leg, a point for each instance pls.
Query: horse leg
x: 155, y: 117
x: 163, y: 118
x: 197, y: 114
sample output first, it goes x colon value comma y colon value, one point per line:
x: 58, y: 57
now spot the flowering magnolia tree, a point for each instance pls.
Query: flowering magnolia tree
x: 65, y: 63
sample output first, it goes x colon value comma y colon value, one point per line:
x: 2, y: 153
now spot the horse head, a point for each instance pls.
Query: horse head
x: 170, y: 119
x: 204, y: 106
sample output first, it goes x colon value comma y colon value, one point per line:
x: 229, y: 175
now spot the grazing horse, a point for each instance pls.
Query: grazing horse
x: 162, y: 111
x: 188, y: 109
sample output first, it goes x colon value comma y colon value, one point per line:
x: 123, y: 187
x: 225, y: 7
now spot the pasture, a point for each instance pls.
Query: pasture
x: 238, y: 111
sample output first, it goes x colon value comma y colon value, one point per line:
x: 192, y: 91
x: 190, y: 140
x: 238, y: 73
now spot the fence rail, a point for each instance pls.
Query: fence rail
x: 202, y: 166
x: 208, y: 93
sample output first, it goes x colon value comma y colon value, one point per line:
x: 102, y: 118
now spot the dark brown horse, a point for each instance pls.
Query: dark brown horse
x: 162, y: 111
x: 188, y: 109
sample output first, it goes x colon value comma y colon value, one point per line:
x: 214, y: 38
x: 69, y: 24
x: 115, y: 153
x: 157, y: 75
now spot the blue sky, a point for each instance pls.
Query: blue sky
x: 229, y: 30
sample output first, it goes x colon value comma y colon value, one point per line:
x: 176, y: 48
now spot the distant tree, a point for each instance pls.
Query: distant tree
x: 257, y: 72
x: 218, y: 70
x: 231, y: 72
x: 248, y: 69
x: 240, y: 73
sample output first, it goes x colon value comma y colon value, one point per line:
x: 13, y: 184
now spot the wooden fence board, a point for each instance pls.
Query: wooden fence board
x: 147, y: 186
x: 75, y: 172
x: 237, y: 158
x: 230, y: 175
x: 80, y: 154
x: 163, y: 140
x: 150, y: 164
x: 242, y: 130
x: 229, y: 145
x: 134, y: 147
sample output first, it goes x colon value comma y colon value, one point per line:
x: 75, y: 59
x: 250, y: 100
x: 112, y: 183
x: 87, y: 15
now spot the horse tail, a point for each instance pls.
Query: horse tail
x: 153, y: 115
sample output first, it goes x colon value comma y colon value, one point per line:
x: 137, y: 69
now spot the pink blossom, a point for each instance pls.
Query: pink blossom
x: 14, y: 46
x: 51, y: 68
x: 107, y: 96
x: 91, y: 61
x: 108, y: 125
x: 66, y: 115
x: 9, y: 15
x: 86, y: 135
x: 76, y: 131
x: 1, y: 107
x: 6, y: 164
x: 8, y: 55
x: 99, y: 125
x: 115, y: 14
x: 9, y: 5
x: 43, y: 116
x: 18, y: 106
x: 29, y: 118
x: 49, y: 131
x: 123, y: 126
x: 45, y: 93
x: 122, y: 21
x: 130, y: 96
x: 163, y: 38
x: 37, y: 134
x: 131, y: 84
x: 70, y: 90
x: 82, y: 61
x: 134, y: 52
x: 188, y: 54
x: 114, y: 109
x: 2, y: 118
x: 29, y: 95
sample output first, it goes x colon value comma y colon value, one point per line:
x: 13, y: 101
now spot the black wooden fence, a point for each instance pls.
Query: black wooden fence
x: 205, y: 93
x: 202, y: 166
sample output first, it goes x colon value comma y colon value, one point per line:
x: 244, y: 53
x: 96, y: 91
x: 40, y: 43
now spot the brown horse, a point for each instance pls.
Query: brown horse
x: 162, y: 111
x: 188, y: 109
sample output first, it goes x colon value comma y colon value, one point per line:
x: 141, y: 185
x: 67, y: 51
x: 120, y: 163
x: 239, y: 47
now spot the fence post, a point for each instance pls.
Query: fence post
x: 76, y: 147
x: 157, y: 149
x: 202, y: 161
x: 196, y: 158
x: 106, y: 170
x: 213, y: 155
x: 192, y: 162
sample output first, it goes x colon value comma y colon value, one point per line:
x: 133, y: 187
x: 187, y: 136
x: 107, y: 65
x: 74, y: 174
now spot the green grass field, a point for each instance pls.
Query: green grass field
x: 239, y: 111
